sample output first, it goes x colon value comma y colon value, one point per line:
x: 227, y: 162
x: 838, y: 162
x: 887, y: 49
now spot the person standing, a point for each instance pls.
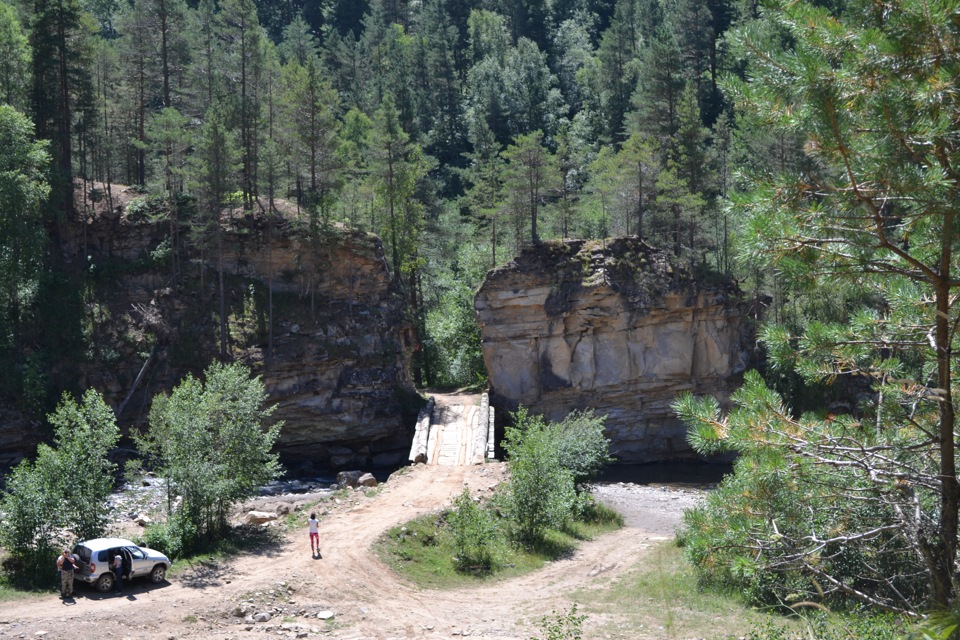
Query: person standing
x: 314, y: 535
x: 67, y: 564
x: 117, y: 566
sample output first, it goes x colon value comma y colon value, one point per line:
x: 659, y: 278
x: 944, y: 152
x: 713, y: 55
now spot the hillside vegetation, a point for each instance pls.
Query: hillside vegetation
x: 808, y: 149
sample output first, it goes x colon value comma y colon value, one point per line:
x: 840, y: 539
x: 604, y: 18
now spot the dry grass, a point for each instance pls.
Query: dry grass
x: 659, y: 599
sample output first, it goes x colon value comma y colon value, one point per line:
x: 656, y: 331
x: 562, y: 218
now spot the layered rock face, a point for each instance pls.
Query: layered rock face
x: 338, y: 370
x: 620, y: 328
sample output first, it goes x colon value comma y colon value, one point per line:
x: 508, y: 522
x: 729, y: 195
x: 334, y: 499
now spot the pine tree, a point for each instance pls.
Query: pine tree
x: 660, y: 88
x: 529, y: 176
x: 308, y: 108
x: 58, y: 43
x: 243, y: 57
x: 169, y: 136
x: 141, y: 83
x: 168, y: 19
x: 484, y: 175
x: 298, y: 44
x: 532, y: 100
x: 443, y: 120
x: 396, y: 167
x: 639, y: 171
x: 214, y: 169
x: 874, y: 212
x: 618, y: 55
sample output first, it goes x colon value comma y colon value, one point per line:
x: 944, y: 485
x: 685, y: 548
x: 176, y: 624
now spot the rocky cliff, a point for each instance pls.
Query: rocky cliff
x: 619, y: 327
x: 338, y: 369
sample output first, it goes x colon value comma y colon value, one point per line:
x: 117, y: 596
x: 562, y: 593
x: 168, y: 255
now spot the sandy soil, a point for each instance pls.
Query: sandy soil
x: 367, y: 600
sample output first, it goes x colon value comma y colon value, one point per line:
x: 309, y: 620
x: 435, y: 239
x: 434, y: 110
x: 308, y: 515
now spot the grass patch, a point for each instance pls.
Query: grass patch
x: 660, y: 598
x: 243, y: 539
x: 423, y: 551
x: 9, y: 593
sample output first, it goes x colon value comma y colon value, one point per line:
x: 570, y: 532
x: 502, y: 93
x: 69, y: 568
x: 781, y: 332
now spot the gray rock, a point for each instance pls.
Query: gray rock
x: 349, y: 478
x: 367, y: 480
x: 263, y: 616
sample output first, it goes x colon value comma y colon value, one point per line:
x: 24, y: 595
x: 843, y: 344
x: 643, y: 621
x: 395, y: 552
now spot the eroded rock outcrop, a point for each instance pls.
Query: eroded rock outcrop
x: 619, y: 327
x: 338, y: 369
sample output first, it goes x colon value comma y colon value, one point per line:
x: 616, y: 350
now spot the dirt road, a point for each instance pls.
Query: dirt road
x: 367, y: 600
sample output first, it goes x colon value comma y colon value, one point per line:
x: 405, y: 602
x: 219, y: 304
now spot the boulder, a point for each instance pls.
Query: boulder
x: 259, y: 517
x: 367, y: 480
x: 349, y: 478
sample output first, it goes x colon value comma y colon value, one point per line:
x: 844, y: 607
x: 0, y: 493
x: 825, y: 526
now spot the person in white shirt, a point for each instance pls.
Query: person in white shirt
x: 314, y: 535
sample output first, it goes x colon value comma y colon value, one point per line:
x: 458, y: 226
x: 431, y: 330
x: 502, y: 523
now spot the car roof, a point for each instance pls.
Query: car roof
x: 106, y: 543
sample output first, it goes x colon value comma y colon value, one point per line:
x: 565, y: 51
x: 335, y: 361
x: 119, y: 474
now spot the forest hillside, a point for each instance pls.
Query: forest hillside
x: 808, y: 149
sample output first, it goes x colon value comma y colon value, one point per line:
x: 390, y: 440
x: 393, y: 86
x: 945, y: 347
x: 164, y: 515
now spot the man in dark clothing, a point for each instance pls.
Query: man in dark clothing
x: 117, y: 566
x: 67, y: 564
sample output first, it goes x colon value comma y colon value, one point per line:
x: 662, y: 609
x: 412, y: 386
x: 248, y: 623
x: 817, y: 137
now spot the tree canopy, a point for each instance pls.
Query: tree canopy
x: 874, y: 212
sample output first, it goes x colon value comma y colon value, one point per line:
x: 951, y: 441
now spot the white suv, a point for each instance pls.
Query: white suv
x: 95, y: 557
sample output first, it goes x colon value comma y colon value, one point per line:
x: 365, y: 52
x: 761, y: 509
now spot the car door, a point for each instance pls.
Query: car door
x: 139, y: 565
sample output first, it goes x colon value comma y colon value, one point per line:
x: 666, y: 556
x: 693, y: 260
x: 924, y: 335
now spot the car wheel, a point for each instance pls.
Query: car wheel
x: 105, y: 583
x: 159, y: 574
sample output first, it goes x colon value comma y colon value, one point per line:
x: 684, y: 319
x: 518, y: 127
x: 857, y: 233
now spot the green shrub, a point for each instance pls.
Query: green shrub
x: 562, y: 625
x: 540, y: 493
x: 821, y: 625
x: 582, y: 448
x: 210, y: 443
x: 61, y: 495
x: 547, y: 461
x: 474, y: 534
x: 175, y: 537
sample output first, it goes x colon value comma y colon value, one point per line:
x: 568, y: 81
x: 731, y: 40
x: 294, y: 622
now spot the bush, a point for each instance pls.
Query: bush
x: 211, y: 445
x: 821, y: 625
x: 173, y: 537
x: 547, y: 461
x: 474, y: 535
x: 562, y: 625
x: 540, y: 494
x: 581, y: 446
x: 61, y: 495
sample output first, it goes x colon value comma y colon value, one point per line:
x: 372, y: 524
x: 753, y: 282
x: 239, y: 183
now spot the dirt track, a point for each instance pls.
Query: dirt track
x: 367, y: 599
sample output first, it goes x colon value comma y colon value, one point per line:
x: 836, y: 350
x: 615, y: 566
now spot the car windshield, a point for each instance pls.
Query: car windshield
x: 82, y: 552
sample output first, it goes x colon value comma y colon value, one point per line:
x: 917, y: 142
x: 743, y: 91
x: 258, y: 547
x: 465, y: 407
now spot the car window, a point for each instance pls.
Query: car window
x: 136, y: 553
x: 102, y: 556
x: 82, y: 552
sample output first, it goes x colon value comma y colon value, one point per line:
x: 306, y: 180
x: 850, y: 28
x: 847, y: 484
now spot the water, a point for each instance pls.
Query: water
x: 679, y: 473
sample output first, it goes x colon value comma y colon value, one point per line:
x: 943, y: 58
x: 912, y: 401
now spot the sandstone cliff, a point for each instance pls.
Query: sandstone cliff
x: 339, y: 370
x: 619, y: 327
